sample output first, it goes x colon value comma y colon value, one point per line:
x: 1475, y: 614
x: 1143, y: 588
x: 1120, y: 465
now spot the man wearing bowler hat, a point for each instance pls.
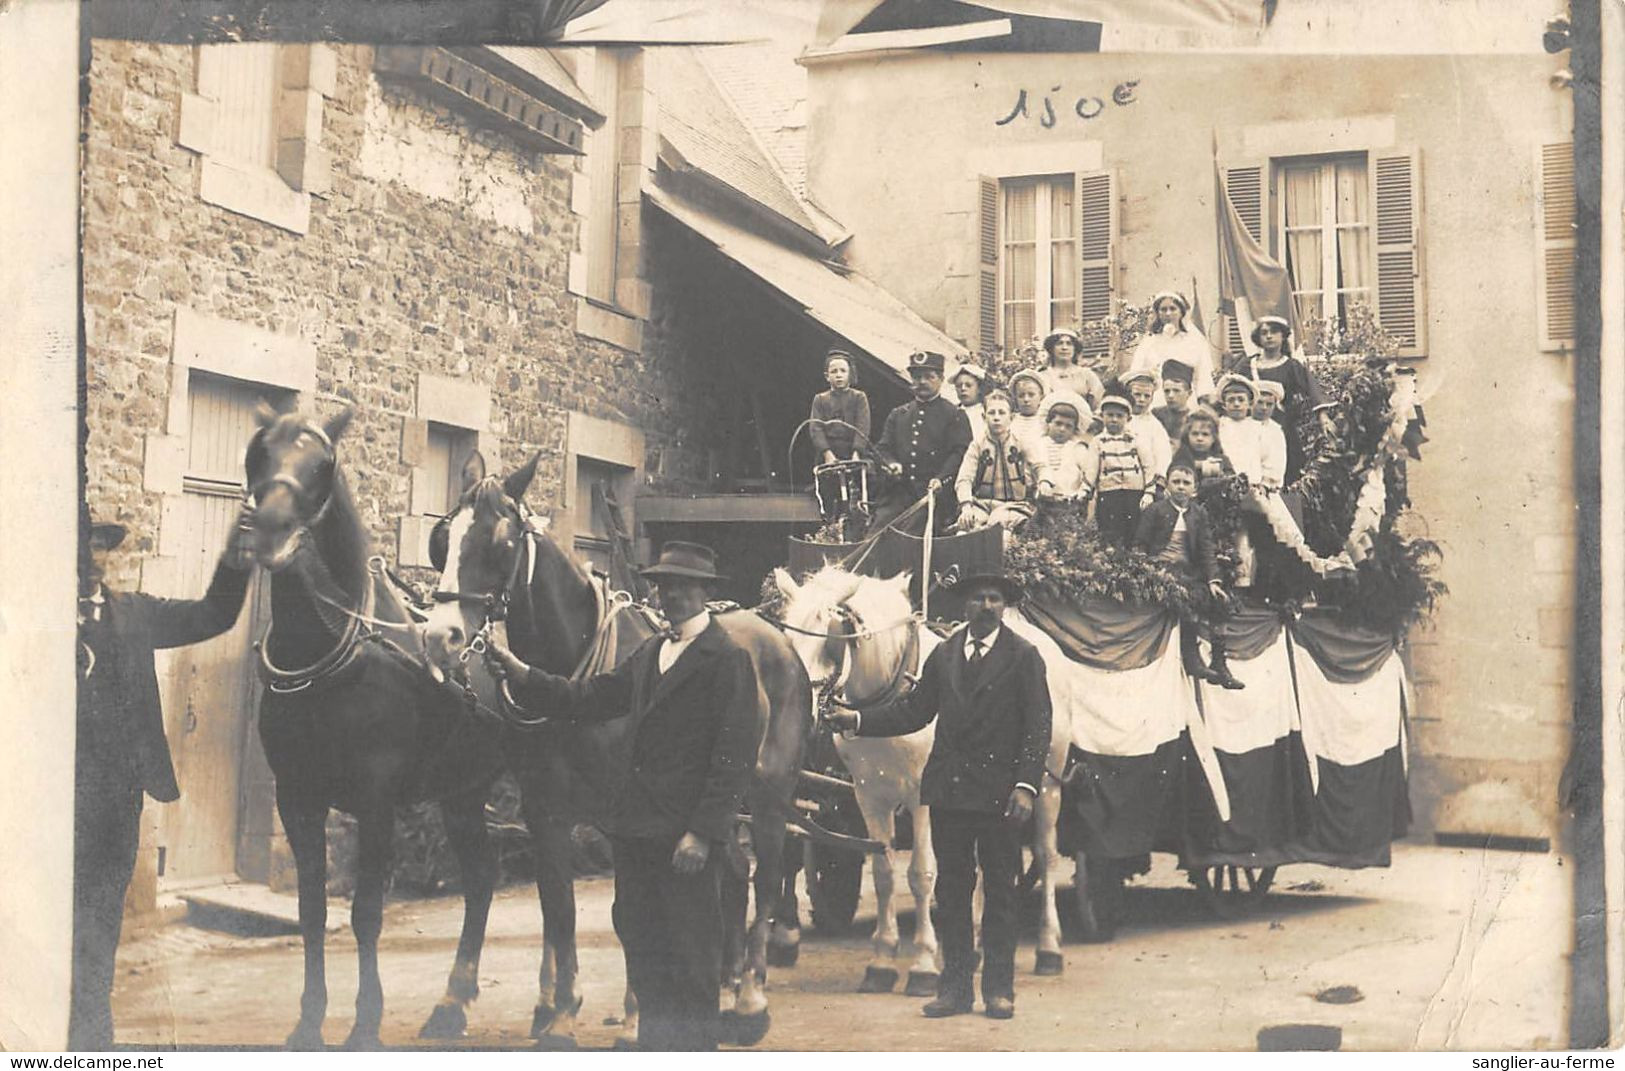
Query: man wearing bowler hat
x: 691, y: 693
x: 120, y: 751
x: 923, y: 440
x: 987, y: 689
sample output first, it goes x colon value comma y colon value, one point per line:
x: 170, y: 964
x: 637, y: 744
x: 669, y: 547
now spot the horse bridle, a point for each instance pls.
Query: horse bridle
x: 495, y: 604
x: 256, y: 492
x: 903, y: 678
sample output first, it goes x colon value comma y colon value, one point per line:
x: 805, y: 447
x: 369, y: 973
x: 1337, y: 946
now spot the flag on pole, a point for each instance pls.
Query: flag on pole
x: 1251, y: 283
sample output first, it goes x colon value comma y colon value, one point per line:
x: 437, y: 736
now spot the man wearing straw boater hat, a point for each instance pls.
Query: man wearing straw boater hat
x: 691, y: 692
x: 120, y: 751
x: 987, y: 690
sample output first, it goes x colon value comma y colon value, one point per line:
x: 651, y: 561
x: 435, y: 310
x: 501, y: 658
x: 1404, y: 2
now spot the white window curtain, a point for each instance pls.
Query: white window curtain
x: 1326, y: 235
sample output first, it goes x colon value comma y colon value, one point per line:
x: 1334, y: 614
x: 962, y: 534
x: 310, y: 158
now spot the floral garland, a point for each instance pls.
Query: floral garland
x: 1064, y: 553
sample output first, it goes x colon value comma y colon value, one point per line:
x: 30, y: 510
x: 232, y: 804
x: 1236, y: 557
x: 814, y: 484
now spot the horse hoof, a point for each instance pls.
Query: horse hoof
x: 744, y: 1030
x: 783, y: 955
x: 623, y: 1043
x: 363, y: 1041
x: 921, y: 984
x: 541, y: 1019
x: 878, y: 980
x: 305, y: 1039
x: 446, y: 1023
x: 1049, y: 964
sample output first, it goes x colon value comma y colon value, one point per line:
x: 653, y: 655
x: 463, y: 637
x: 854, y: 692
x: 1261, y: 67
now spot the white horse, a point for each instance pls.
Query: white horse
x: 861, y: 636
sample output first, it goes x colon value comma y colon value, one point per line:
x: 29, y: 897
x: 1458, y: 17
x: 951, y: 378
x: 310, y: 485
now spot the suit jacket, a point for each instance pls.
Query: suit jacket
x: 928, y: 440
x: 694, y: 732
x: 140, y: 624
x: 993, y: 732
x: 1156, y: 527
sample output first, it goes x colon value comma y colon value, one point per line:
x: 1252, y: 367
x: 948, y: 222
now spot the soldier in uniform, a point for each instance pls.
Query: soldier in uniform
x: 923, y: 440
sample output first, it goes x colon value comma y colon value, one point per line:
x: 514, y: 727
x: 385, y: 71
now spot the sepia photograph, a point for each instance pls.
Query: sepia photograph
x: 812, y: 525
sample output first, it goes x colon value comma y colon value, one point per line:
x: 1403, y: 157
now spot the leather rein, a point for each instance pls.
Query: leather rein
x: 903, y: 677
x: 359, y: 623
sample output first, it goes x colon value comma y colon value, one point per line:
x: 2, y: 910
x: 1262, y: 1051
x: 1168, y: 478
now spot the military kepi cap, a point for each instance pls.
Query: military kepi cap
x: 924, y: 361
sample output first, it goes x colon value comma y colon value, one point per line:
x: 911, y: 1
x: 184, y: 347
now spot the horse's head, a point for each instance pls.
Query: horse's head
x: 291, y: 468
x: 478, y: 549
x: 850, y: 631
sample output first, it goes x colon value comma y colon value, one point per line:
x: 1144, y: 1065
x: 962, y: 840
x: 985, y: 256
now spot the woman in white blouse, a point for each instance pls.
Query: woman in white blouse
x: 1174, y: 338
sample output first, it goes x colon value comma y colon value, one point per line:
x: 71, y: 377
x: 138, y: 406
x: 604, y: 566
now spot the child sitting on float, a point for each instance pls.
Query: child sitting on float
x: 995, y: 478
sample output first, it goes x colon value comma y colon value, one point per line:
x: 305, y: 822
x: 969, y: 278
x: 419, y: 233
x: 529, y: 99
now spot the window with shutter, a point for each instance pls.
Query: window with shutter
x: 256, y: 121
x: 1045, y: 249
x: 1397, y: 208
x: 1244, y: 185
x: 1097, y: 253
x: 987, y: 271
x: 1555, y: 245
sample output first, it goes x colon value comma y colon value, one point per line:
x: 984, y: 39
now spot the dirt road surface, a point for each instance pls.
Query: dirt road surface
x: 1447, y: 949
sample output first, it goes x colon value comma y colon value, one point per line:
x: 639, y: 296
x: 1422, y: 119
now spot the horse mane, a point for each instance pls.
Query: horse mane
x: 346, y: 543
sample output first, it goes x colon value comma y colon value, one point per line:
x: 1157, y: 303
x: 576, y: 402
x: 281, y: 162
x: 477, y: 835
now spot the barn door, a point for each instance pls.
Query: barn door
x: 209, y: 688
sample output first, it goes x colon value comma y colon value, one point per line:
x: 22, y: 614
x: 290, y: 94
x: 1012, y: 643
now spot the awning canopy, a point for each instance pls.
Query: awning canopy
x: 866, y: 316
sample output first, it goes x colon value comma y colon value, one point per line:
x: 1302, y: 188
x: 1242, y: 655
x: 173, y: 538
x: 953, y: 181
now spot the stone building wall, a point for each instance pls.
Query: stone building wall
x: 432, y: 249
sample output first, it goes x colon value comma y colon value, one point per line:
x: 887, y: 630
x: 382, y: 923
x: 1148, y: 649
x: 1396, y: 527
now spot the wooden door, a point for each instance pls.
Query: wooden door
x: 209, y: 688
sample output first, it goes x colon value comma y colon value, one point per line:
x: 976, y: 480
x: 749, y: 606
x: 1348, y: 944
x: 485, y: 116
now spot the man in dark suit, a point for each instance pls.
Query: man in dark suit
x: 695, y: 731
x: 923, y: 440
x: 121, y: 752
x: 987, y: 688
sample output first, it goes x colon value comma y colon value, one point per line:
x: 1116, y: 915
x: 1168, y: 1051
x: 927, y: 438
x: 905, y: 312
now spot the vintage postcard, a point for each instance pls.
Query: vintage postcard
x: 805, y: 525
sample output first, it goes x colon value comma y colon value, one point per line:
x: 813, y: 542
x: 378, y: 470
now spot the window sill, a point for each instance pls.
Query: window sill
x: 596, y: 320
x: 256, y: 192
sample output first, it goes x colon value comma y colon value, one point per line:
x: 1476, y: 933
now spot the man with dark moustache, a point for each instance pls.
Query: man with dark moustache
x: 923, y: 440
x: 693, y: 702
x: 987, y: 688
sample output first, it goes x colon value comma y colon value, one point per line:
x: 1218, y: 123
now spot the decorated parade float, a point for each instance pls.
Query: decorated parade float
x: 1305, y: 763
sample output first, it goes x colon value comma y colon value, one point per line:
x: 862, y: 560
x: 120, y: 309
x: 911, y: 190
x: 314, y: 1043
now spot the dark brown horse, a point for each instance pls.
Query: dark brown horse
x: 350, y: 719
x: 497, y: 564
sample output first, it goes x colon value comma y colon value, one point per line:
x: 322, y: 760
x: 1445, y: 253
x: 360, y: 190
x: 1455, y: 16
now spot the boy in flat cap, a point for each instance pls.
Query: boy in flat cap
x: 1125, y: 478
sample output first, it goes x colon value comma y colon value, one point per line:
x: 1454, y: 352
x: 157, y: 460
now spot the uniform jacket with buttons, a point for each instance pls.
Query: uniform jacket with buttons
x: 993, y: 723
x: 929, y: 440
x: 138, y: 625
x: 694, y: 732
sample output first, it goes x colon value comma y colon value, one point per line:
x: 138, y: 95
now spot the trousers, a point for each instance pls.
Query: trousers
x: 670, y: 926
x: 106, y: 829
x: 962, y: 839
x: 1116, y: 515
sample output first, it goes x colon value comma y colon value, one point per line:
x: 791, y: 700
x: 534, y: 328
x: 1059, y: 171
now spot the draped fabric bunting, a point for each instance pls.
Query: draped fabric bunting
x: 1307, y: 763
x: 1101, y: 633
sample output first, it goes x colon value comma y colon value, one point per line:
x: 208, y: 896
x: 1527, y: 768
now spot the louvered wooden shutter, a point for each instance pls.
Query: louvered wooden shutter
x: 1245, y: 186
x: 1396, y: 185
x: 987, y: 271
x: 1555, y: 245
x: 1096, y: 198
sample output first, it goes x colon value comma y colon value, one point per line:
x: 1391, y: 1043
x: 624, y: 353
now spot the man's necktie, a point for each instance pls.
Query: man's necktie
x: 977, y: 650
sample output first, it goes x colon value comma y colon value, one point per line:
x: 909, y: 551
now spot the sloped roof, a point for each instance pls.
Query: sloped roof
x: 769, y: 89
x: 701, y: 122
x: 846, y: 302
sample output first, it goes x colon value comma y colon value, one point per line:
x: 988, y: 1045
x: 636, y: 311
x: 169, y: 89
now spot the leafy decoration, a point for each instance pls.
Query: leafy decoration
x: 1063, y: 552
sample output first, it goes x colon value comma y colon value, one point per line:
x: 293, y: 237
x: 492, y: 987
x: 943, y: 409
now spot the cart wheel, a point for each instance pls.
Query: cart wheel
x: 1228, y: 892
x: 1100, y: 893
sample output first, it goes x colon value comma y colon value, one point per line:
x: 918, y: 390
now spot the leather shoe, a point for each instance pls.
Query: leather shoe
x: 943, y: 1007
x: 1000, y: 1007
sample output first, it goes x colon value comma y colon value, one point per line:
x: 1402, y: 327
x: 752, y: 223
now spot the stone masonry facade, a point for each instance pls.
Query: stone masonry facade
x: 433, y: 249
